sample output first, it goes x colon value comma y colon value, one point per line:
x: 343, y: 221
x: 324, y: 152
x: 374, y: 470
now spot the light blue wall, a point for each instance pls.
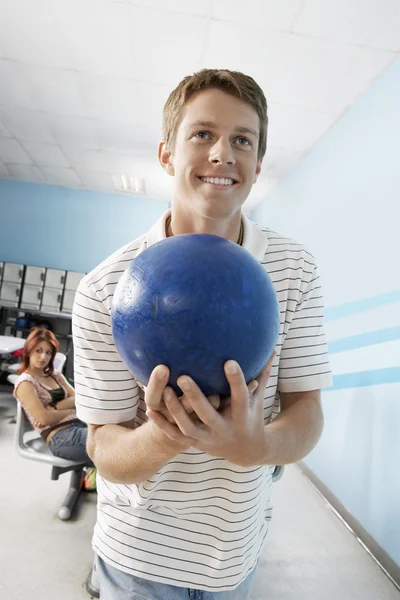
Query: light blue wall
x: 343, y: 201
x: 68, y: 229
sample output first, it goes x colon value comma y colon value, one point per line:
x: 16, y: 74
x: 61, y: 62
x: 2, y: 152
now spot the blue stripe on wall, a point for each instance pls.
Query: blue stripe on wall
x: 352, y: 308
x: 365, y: 378
x: 364, y: 339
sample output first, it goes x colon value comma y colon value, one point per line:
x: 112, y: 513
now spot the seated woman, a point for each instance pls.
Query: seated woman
x: 49, y: 401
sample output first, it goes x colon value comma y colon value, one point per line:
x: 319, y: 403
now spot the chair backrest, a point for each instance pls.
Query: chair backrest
x: 59, y: 361
x: 23, y: 426
x: 12, y: 378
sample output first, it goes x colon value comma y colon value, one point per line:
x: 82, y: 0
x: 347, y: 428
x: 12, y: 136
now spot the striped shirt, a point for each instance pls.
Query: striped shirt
x: 199, y: 522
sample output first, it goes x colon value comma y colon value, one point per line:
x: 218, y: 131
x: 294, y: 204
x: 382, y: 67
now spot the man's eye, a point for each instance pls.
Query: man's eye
x: 203, y: 135
x: 243, y: 141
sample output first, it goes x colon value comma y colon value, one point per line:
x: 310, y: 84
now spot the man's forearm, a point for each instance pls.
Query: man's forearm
x: 130, y: 455
x: 293, y: 433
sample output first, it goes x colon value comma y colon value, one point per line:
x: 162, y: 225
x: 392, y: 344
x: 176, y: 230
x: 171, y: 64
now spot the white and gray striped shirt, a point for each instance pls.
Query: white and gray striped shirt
x: 200, y: 521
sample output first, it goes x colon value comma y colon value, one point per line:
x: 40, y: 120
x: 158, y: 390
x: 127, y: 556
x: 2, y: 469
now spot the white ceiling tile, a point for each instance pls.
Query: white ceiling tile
x: 388, y: 36
x: 27, y: 173
x: 4, y: 132
x: 46, y: 155
x: 104, y: 46
x: 94, y: 180
x: 260, y: 57
x: 71, y: 130
x: 122, y: 100
x: 349, y: 21
x: 296, y: 128
x: 26, y: 124
x: 278, y: 161
x: 187, y: 7
x: 27, y: 34
x: 4, y: 172
x: 165, y: 46
x: 39, y: 88
x: 293, y: 69
x: 63, y: 177
x: 104, y: 162
x: 268, y: 14
x: 12, y: 86
x: 12, y: 152
x: 117, y: 137
x: 364, y: 70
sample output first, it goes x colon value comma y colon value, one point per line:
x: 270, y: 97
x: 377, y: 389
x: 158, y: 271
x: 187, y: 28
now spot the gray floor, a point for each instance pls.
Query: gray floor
x: 310, y: 553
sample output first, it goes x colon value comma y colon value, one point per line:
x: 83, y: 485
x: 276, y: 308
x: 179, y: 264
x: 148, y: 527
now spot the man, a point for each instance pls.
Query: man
x: 184, y: 490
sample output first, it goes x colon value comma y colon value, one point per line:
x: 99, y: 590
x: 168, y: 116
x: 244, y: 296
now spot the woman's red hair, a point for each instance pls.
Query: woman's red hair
x: 36, y: 336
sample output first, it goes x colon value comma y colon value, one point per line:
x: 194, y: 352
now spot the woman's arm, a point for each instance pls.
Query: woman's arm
x: 69, y: 401
x: 29, y: 399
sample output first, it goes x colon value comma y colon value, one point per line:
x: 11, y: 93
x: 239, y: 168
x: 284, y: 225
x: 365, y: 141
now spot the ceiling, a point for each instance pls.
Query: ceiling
x: 83, y: 82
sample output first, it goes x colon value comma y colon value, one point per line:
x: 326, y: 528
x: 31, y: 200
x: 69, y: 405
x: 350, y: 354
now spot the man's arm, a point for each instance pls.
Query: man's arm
x: 296, y: 430
x: 127, y: 455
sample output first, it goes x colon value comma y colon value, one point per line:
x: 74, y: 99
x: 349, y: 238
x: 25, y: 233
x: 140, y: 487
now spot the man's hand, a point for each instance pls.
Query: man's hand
x: 157, y: 390
x: 236, y: 433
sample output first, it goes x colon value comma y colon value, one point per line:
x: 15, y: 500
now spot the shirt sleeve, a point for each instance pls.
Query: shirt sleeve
x: 106, y: 392
x: 304, y: 363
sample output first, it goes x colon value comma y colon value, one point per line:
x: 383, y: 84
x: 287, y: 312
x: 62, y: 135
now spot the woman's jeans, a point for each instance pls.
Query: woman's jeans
x: 70, y: 443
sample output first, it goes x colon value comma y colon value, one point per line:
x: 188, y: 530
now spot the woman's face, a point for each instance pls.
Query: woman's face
x: 40, y: 355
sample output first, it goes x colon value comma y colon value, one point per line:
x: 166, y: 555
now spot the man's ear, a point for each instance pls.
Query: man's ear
x: 258, y: 169
x: 166, y: 159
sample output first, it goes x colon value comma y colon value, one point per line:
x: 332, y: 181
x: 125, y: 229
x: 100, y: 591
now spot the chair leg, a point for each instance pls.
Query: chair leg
x: 92, y: 584
x: 72, y: 496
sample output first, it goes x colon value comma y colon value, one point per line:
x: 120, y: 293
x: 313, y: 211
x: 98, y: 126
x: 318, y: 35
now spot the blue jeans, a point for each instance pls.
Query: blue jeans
x: 70, y: 443
x: 117, y: 585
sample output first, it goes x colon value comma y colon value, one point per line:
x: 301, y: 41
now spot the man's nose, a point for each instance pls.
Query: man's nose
x: 221, y: 153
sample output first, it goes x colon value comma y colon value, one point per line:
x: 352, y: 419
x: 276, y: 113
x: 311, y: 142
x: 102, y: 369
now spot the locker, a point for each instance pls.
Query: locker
x: 34, y: 276
x: 31, y: 296
x: 51, y: 300
x: 13, y: 272
x: 10, y: 293
x: 68, y: 301
x: 73, y: 280
x: 55, y: 278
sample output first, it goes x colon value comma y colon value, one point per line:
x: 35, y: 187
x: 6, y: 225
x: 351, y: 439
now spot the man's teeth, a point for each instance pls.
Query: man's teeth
x: 218, y: 180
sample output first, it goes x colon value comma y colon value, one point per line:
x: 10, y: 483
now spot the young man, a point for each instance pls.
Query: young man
x: 184, y: 490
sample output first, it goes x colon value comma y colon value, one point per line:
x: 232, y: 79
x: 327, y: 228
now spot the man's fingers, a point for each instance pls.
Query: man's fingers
x: 215, y: 401
x: 253, y: 385
x: 170, y: 429
x: 266, y: 372
x: 202, y: 406
x: 156, y: 386
x: 239, y: 390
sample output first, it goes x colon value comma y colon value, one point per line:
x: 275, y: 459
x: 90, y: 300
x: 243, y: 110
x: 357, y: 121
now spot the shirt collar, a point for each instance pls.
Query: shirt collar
x: 254, y: 240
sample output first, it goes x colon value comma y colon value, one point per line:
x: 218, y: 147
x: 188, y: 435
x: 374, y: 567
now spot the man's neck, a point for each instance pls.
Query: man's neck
x: 229, y: 229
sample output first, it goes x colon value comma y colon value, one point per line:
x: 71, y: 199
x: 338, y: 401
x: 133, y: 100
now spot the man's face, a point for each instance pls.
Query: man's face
x: 214, y: 160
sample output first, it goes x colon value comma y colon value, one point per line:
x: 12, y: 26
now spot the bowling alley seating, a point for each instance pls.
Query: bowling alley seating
x: 31, y: 446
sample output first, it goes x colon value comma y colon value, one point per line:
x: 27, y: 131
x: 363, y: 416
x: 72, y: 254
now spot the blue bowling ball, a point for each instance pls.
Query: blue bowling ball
x: 192, y: 302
